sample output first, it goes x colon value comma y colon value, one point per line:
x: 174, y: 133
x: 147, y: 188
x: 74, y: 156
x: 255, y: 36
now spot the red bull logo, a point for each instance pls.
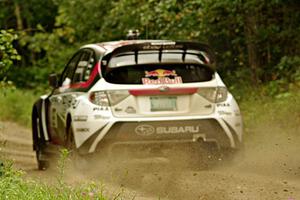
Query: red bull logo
x: 161, y: 76
x: 159, y: 73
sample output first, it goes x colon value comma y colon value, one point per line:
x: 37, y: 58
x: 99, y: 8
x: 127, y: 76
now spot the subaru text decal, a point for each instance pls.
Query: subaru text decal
x: 147, y: 130
x: 177, y: 129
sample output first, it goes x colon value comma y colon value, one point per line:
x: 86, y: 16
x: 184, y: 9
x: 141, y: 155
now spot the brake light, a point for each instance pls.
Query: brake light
x: 215, y: 94
x: 105, y: 99
x: 99, y: 98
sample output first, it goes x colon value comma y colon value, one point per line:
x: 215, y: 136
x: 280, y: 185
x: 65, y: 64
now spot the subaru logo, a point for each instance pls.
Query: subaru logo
x: 144, y: 130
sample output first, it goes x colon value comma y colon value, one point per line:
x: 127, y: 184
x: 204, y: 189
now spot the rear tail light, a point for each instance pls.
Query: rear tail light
x: 105, y: 99
x: 99, y: 98
x: 214, y: 94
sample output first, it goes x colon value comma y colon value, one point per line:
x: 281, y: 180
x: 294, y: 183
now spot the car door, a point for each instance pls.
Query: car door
x: 76, y: 72
x: 58, y: 101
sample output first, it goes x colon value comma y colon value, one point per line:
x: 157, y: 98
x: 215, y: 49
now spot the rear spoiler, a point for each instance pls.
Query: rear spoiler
x: 203, y: 49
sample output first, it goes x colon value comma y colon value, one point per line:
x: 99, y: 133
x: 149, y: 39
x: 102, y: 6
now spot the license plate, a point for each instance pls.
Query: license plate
x: 163, y: 103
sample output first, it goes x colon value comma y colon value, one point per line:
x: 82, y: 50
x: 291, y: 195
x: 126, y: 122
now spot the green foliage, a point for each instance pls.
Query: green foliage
x: 35, y: 77
x: 7, y: 52
x: 251, y: 34
x: 85, y: 23
x: 285, y: 77
x: 171, y: 19
x: 64, y: 153
x: 288, y: 69
x: 15, y: 104
x: 33, y: 12
x: 14, y: 186
x: 251, y: 38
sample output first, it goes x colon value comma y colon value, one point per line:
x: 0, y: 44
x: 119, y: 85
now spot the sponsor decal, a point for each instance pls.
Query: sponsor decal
x: 144, y: 130
x: 97, y: 109
x: 161, y: 76
x: 101, y: 117
x: 100, y: 108
x: 177, y: 129
x: 163, y: 45
x: 223, y: 105
x: 147, y: 130
x: 80, y: 118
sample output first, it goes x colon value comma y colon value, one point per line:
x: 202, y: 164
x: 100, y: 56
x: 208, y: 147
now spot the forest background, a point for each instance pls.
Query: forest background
x: 257, y: 42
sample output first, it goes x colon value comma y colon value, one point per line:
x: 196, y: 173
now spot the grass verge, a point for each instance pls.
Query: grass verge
x: 283, y: 111
x: 14, y: 186
x: 16, y: 105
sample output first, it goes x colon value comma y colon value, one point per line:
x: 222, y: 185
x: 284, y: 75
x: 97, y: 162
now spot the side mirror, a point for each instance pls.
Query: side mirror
x: 53, y: 80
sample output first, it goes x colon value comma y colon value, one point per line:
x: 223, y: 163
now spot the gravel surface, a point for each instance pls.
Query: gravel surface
x: 268, y: 168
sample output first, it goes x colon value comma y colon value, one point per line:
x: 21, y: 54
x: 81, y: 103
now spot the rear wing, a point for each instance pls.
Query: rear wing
x: 184, y: 48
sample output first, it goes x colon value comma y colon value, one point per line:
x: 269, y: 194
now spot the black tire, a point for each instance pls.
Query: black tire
x: 39, y: 145
x: 42, y: 164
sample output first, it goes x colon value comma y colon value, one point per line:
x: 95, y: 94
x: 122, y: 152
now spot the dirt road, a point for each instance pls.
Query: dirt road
x: 268, y: 169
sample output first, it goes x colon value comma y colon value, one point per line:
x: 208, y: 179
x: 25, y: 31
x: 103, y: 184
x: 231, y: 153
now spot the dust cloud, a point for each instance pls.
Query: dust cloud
x: 267, y: 168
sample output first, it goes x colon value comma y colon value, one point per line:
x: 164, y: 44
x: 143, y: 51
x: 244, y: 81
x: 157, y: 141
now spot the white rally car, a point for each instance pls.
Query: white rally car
x: 130, y: 96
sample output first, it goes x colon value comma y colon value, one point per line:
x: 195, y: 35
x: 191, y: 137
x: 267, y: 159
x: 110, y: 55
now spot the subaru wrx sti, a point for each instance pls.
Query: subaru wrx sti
x: 136, y: 95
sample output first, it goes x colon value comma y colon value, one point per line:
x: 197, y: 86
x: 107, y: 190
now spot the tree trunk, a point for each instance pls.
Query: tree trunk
x: 252, y: 49
x: 18, y: 16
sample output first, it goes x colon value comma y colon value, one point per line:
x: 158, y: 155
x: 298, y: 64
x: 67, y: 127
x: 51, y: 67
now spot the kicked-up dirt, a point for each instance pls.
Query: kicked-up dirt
x: 268, y: 169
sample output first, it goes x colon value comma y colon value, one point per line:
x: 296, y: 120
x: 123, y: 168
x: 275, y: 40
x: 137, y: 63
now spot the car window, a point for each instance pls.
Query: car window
x: 152, y: 57
x: 69, y: 69
x: 159, y: 74
x: 84, y: 66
